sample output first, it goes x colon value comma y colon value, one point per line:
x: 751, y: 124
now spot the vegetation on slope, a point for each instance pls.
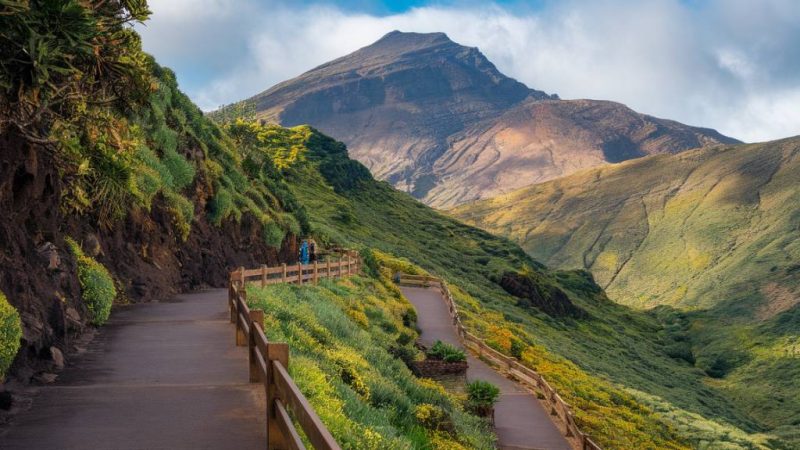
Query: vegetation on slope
x: 124, y: 136
x: 344, y: 337
x: 97, y: 286
x: 708, y: 238
x: 606, y: 364
x: 98, y: 140
x: 10, y: 334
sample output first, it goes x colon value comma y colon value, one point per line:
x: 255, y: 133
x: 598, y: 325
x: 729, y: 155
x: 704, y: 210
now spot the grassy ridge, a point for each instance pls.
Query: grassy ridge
x: 709, y: 237
x: 606, y: 365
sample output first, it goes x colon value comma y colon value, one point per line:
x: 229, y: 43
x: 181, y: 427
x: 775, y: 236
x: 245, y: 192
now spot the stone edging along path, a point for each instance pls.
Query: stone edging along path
x: 522, y: 420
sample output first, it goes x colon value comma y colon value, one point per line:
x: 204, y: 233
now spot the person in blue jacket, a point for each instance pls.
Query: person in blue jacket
x: 304, y: 252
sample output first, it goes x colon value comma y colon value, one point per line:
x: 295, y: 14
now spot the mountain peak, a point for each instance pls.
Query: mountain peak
x: 397, y: 43
x: 407, y: 38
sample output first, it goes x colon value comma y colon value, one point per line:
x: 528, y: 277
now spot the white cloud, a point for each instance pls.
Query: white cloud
x: 730, y: 64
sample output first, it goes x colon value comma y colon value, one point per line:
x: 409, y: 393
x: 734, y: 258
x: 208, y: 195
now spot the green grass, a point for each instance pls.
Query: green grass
x: 344, y: 336
x: 706, y: 238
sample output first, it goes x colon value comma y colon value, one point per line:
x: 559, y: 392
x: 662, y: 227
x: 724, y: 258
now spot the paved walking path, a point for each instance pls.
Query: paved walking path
x: 157, y: 376
x: 521, y: 421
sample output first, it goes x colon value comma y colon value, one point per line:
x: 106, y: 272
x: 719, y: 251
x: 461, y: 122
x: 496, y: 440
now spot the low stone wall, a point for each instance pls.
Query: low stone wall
x: 434, y: 368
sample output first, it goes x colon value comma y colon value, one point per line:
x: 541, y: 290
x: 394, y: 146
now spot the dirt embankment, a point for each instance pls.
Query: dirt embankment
x: 143, y: 253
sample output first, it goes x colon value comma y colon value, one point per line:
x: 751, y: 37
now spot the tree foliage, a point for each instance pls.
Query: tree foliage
x: 62, y: 59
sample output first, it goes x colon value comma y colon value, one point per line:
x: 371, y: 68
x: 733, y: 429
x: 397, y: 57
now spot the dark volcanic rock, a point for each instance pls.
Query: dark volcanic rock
x: 438, y: 120
x: 549, y: 299
x: 149, y: 263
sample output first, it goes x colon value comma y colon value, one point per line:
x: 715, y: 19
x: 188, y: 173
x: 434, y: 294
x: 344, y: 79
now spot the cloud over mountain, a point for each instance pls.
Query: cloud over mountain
x: 730, y: 65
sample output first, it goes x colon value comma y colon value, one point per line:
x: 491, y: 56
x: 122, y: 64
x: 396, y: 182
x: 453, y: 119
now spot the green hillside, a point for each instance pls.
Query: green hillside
x: 345, y: 205
x: 707, y: 239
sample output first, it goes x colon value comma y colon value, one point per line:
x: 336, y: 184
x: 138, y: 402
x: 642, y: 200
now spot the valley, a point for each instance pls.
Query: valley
x: 706, y: 240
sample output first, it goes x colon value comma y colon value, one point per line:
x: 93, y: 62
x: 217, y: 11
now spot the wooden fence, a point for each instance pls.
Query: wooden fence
x: 269, y: 361
x: 558, y: 407
x: 349, y: 264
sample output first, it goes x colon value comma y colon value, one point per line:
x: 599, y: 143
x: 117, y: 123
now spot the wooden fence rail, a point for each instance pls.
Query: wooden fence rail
x: 558, y: 407
x: 299, y: 273
x: 269, y: 361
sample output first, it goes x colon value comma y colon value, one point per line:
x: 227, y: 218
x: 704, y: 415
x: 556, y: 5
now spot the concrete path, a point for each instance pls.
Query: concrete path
x: 521, y: 421
x: 157, y: 376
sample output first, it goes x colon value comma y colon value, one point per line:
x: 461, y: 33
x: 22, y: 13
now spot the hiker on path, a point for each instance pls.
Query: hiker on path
x: 312, y: 251
x: 304, y: 252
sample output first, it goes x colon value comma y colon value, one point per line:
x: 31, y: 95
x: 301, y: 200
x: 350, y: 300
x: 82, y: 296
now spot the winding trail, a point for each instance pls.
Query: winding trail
x: 521, y: 421
x: 157, y: 376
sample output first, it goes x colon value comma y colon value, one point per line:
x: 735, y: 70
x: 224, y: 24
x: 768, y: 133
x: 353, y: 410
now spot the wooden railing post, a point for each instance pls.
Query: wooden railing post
x: 275, y: 352
x: 256, y: 320
x: 328, y: 268
x: 241, y: 339
x: 263, y: 275
x: 232, y: 301
x: 316, y: 272
x: 299, y: 273
x: 241, y: 276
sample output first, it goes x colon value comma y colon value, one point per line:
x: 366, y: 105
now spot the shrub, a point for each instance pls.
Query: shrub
x: 433, y: 417
x: 221, y: 206
x: 517, y: 348
x: 182, y: 211
x: 680, y: 350
x: 352, y: 378
x: 481, y: 396
x: 10, y: 334
x: 273, y: 234
x: 446, y: 352
x: 148, y: 158
x: 97, y: 286
x: 404, y: 353
x: 112, y: 183
x: 165, y: 138
x: 148, y: 184
x: 182, y: 171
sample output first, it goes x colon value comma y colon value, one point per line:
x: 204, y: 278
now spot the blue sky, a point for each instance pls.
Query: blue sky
x: 733, y: 65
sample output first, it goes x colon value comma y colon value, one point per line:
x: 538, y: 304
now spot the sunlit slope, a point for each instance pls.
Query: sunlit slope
x: 692, y: 230
x: 709, y: 238
x: 606, y: 363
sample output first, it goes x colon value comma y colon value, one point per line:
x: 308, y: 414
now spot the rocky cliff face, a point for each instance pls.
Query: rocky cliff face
x: 146, y: 258
x: 438, y: 120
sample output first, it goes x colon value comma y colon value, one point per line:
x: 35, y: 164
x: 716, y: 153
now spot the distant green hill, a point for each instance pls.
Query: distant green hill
x: 708, y: 238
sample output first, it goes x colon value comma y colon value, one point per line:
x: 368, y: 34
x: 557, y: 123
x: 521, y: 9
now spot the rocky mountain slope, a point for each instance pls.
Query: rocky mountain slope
x: 438, y: 120
x: 711, y: 237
